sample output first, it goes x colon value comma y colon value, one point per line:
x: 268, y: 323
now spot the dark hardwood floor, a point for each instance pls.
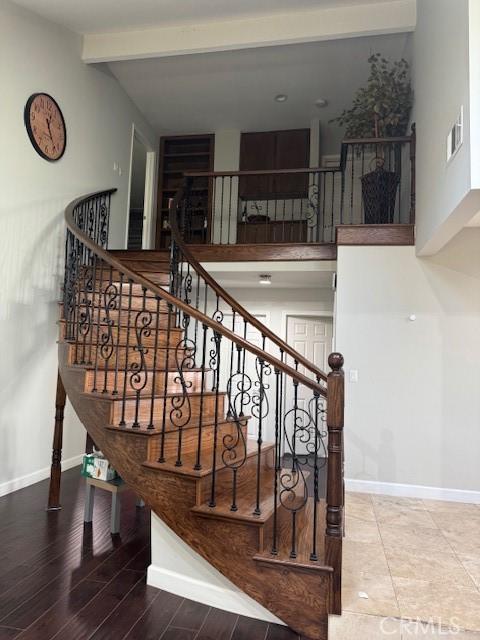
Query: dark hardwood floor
x: 65, y: 580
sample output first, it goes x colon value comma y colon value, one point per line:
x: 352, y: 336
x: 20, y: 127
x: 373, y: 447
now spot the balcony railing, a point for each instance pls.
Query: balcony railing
x: 373, y: 183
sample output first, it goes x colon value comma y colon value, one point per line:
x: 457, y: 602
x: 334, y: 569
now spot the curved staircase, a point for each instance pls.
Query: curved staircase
x: 219, y: 425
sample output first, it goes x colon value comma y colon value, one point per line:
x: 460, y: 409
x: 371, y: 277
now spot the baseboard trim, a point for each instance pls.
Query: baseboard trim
x: 31, y: 478
x: 207, y: 593
x: 412, y: 491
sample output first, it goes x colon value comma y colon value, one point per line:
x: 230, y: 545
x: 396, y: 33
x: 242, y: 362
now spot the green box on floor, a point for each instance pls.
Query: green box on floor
x: 94, y: 466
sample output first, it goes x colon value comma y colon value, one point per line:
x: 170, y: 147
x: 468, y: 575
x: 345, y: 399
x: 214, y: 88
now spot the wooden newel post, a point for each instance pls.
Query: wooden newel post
x: 335, y: 480
x: 56, y: 467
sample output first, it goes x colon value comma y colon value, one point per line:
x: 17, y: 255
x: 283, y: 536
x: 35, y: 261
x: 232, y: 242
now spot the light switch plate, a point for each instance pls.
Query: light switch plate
x: 353, y: 375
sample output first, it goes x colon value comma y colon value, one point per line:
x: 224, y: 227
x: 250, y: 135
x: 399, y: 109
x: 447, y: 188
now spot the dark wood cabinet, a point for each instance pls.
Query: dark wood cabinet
x: 272, y: 150
x: 177, y: 155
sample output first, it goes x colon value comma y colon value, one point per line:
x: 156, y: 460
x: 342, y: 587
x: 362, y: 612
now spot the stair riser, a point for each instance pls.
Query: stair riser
x: 76, y: 357
x: 159, y: 274
x: 245, y: 473
x: 136, y: 303
x: 173, y: 384
x: 189, y: 441
x: 119, y: 334
x: 173, y: 419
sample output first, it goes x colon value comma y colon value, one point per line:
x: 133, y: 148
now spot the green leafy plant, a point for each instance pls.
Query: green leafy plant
x: 381, y: 108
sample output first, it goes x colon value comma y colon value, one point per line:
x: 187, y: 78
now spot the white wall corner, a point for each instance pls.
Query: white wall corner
x: 178, y: 569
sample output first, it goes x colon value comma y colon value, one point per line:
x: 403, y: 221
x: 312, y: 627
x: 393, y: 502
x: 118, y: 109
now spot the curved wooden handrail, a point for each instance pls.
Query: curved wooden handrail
x: 226, y: 297
x: 137, y: 278
x: 257, y: 172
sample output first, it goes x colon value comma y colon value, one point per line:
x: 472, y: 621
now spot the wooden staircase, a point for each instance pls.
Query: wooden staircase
x: 205, y: 426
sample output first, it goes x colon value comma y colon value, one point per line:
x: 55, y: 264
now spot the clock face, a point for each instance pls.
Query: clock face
x: 45, y: 126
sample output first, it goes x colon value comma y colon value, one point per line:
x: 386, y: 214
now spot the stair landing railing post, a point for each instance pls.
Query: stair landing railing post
x: 56, y: 467
x: 335, y: 480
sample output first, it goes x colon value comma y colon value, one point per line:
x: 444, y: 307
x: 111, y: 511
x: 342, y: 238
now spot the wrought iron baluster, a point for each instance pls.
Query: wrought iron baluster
x: 107, y: 340
x: 170, y: 316
x: 154, y: 364
x: 198, y: 464
x: 215, y: 364
x: 119, y: 335
x: 221, y: 211
x: 181, y: 411
x: 98, y: 338
x: 313, y: 554
x: 127, y: 347
x: 260, y: 411
x: 232, y: 346
x: 139, y: 369
x: 92, y: 323
x: 229, y: 208
x: 274, y: 550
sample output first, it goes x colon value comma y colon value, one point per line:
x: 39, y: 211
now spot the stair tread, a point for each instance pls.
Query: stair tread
x: 188, y: 461
x: 143, y: 428
x: 131, y: 395
x: 303, y: 541
x: 245, y: 501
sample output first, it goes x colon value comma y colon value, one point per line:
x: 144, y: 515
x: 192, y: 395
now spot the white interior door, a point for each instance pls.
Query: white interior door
x: 311, y: 336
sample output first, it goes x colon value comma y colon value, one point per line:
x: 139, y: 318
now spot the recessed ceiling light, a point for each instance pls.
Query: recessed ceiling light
x: 321, y: 102
x: 281, y: 97
x: 264, y: 278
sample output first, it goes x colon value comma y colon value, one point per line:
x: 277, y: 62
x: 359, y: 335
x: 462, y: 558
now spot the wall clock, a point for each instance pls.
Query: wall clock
x: 45, y: 126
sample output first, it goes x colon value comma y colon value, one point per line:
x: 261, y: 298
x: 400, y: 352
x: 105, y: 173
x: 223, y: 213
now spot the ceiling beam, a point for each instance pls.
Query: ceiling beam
x: 397, y: 16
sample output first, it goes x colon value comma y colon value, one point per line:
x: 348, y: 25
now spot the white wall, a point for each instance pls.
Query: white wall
x: 446, y: 61
x: 36, y: 55
x: 413, y: 417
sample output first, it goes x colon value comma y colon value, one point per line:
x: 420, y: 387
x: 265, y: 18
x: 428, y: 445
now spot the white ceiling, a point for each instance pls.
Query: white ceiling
x: 92, y: 16
x: 285, y: 275
x: 235, y: 89
x: 280, y: 280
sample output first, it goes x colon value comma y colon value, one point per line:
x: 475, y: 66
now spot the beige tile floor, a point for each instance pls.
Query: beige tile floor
x: 411, y: 569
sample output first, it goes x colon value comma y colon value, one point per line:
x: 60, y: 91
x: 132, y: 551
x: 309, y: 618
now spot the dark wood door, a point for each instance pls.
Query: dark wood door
x: 292, y: 151
x: 266, y: 150
x: 257, y: 152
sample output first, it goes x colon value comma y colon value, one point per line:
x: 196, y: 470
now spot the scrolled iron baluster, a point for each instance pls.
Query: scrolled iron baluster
x: 138, y: 369
x: 198, y: 464
x: 293, y: 494
x: 234, y: 454
x: 103, y: 224
x: 215, y: 359
x: 107, y: 344
x: 181, y: 411
x: 170, y: 316
x: 154, y: 371
x: 122, y: 422
x: 260, y: 410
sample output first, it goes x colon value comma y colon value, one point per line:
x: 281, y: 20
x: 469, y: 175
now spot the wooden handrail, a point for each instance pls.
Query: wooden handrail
x: 259, y: 172
x: 137, y: 278
x: 366, y: 141
x: 226, y: 297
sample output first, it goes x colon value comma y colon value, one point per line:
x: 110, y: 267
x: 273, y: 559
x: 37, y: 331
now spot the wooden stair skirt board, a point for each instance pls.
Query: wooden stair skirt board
x: 180, y: 570
x: 236, y: 525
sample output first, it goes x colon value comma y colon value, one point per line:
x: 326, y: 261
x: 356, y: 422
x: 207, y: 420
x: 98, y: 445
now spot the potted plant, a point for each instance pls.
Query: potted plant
x: 381, y: 109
